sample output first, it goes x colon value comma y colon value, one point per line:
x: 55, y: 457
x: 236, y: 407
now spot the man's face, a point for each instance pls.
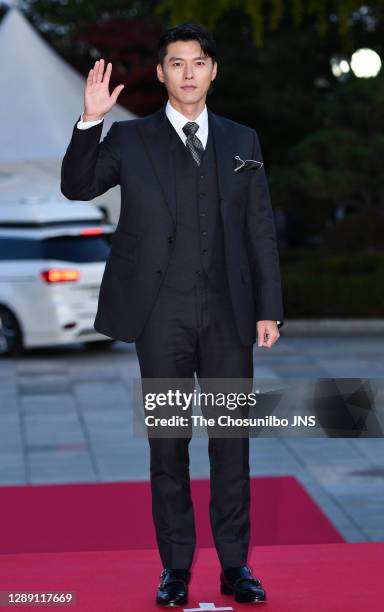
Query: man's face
x: 186, y: 73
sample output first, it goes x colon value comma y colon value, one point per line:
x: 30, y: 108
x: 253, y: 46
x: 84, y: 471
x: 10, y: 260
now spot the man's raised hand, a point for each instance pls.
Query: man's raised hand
x: 97, y: 99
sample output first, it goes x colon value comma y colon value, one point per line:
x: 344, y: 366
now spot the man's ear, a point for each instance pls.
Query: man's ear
x: 160, y: 73
x: 214, y: 71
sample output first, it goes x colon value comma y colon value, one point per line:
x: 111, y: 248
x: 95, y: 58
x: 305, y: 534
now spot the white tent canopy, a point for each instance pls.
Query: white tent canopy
x: 41, y: 95
x: 41, y: 99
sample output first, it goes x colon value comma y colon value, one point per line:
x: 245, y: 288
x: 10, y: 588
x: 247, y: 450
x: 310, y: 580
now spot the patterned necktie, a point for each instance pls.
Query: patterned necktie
x: 193, y: 143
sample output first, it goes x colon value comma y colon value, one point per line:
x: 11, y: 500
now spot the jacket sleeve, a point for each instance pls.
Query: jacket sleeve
x: 90, y: 167
x: 262, y: 245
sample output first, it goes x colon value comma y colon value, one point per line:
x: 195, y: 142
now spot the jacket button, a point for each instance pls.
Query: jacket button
x: 158, y: 271
x: 171, y: 239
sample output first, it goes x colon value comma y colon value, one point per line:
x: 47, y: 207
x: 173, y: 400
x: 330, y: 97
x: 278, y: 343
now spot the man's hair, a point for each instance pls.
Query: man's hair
x: 187, y: 31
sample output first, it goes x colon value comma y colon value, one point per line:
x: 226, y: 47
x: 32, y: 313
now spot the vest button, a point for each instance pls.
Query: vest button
x: 202, y: 175
x: 201, y: 195
x: 203, y: 213
x: 204, y: 233
x: 171, y: 239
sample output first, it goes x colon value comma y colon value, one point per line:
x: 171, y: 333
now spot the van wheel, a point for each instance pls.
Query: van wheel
x: 10, y: 334
x: 99, y: 344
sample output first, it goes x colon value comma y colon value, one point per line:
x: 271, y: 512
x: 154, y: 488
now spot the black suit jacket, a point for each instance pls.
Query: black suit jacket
x: 135, y: 154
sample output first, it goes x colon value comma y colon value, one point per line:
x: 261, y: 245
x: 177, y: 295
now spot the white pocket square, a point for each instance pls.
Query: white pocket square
x: 246, y: 164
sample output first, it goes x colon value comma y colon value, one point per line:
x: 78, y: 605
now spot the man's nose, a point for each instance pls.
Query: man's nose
x: 188, y: 72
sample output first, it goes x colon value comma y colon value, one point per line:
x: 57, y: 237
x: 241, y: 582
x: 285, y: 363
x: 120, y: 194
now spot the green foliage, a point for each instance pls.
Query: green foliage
x: 363, y: 231
x: 344, y: 286
x: 71, y: 12
x: 266, y: 14
x: 339, y: 164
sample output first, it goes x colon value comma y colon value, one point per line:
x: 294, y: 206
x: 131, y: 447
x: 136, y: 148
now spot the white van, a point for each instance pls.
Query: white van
x: 52, y: 258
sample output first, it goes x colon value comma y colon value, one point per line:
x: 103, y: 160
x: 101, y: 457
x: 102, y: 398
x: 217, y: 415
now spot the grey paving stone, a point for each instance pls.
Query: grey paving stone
x: 10, y: 432
x: 44, y: 383
x: 372, y: 448
x: 37, y: 365
x: 48, y: 402
x: 12, y: 466
x: 87, y: 373
x: 60, y: 467
x: 9, y: 401
x: 52, y: 428
x: 103, y: 395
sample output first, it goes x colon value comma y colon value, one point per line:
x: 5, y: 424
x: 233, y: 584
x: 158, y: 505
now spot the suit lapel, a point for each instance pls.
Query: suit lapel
x: 223, y: 143
x: 156, y: 136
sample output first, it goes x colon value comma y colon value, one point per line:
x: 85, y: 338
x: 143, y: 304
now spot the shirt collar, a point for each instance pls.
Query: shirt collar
x: 178, y: 121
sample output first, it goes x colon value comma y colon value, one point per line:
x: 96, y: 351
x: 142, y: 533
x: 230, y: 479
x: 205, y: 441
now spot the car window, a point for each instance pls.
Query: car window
x: 79, y: 249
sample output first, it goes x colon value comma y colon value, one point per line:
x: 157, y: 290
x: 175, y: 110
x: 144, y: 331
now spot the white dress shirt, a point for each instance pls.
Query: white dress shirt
x: 83, y: 125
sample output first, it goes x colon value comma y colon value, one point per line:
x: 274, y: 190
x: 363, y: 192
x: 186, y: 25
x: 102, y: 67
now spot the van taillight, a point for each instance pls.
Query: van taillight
x: 59, y: 275
x: 91, y: 231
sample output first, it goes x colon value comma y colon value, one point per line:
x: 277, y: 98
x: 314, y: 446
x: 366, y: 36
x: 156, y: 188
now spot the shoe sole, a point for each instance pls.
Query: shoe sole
x: 250, y: 600
x: 172, y: 605
x: 227, y: 591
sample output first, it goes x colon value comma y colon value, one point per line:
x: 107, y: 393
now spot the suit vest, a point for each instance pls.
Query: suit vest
x: 199, y: 241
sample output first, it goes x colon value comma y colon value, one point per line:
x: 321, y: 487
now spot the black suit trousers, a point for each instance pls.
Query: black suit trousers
x: 192, y: 332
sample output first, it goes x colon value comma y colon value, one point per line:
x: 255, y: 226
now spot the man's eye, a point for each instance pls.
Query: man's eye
x: 176, y: 64
x: 201, y: 63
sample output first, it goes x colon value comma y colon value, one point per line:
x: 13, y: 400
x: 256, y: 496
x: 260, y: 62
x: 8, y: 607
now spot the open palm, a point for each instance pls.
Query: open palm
x: 97, y: 99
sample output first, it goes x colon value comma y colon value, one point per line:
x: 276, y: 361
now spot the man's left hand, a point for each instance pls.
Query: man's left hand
x: 267, y: 333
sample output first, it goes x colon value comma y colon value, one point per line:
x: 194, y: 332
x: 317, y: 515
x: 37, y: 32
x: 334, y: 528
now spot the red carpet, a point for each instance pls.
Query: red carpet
x: 117, y: 516
x: 315, y: 578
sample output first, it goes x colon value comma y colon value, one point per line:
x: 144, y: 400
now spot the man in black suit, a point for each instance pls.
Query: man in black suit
x: 192, y: 275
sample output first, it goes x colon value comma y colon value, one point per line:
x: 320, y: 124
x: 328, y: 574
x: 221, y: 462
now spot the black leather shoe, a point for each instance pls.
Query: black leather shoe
x: 173, y: 587
x: 238, y: 581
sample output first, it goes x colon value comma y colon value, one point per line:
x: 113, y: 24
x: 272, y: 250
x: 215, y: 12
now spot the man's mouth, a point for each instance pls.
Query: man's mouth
x: 188, y: 87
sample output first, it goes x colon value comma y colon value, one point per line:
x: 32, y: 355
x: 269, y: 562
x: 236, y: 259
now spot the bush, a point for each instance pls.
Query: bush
x: 334, y: 286
x: 362, y: 231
